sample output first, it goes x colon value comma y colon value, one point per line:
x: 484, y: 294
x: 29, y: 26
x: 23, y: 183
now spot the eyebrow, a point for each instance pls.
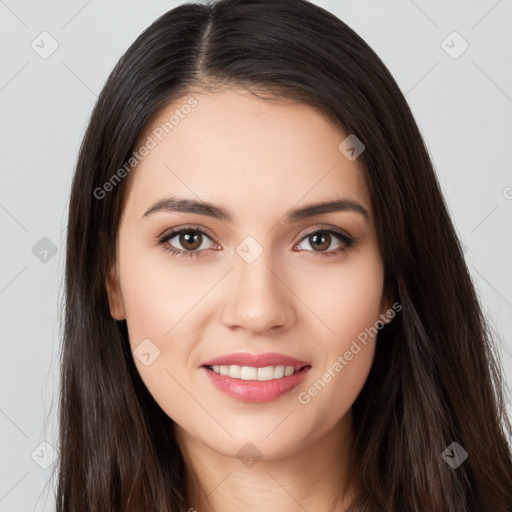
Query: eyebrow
x: 185, y: 205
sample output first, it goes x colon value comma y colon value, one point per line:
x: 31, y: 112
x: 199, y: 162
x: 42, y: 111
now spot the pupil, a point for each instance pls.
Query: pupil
x: 191, y: 240
x: 318, y: 243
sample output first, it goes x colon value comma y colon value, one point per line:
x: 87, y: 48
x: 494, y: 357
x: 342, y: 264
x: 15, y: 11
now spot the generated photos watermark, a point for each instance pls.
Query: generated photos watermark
x: 343, y: 360
x: 151, y: 142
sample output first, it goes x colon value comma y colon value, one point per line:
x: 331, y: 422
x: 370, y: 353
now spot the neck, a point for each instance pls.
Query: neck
x: 314, y: 477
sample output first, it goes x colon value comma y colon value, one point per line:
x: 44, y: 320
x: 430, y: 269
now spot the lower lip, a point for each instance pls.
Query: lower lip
x: 256, y: 390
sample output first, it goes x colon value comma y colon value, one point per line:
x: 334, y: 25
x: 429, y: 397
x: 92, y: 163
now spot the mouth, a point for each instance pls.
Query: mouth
x: 251, y: 373
x: 252, y: 384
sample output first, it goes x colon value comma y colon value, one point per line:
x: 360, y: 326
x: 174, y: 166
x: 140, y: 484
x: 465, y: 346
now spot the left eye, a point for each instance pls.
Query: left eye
x: 321, y: 240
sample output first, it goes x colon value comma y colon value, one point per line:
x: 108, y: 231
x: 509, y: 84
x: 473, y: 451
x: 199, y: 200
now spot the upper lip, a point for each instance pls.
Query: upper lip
x: 256, y: 360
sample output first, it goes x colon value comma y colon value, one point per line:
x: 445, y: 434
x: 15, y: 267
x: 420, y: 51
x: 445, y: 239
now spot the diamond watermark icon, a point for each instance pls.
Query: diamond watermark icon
x: 146, y: 352
x: 44, y: 455
x: 44, y: 45
x: 44, y: 250
x: 454, y: 455
x: 351, y: 147
x: 454, y: 45
x: 249, y: 454
x: 249, y: 249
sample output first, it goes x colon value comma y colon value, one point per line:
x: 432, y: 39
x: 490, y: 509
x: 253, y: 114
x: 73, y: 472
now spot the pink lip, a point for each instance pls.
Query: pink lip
x: 256, y: 360
x: 255, y: 390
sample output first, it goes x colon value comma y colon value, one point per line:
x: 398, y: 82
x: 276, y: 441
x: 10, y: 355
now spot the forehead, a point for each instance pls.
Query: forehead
x: 236, y: 149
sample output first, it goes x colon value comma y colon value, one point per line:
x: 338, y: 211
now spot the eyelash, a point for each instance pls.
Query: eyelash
x: 347, y: 240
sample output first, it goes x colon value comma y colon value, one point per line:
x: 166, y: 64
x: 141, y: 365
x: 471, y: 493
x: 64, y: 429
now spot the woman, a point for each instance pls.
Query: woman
x: 267, y: 306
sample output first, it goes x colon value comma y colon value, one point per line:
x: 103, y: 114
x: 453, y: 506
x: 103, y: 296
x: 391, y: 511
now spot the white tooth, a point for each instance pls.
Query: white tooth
x: 251, y: 373
x: 278, y: 372
x: 248, y: 373
x: 266, y: 373
x: 234, y: 371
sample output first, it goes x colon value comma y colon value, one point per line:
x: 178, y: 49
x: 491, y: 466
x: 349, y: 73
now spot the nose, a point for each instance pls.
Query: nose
x: 258, y: 298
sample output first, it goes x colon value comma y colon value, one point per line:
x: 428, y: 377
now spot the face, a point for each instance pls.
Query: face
x: 256, y: 273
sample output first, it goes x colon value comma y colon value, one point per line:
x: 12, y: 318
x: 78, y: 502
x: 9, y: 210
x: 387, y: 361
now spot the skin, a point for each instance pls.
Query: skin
x: 258, y: 159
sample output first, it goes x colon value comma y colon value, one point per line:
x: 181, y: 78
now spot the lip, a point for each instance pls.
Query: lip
x: 255, y: 390
x: 256, y: 360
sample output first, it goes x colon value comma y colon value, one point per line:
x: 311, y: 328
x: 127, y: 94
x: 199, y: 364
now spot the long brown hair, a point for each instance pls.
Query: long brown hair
x: 435, y: 378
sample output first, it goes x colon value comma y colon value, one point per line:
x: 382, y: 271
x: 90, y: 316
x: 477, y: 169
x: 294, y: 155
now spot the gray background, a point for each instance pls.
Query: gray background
x: 463, y: 106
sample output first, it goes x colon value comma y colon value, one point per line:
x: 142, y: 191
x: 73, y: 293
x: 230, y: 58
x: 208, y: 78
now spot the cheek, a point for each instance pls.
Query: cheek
x: 163, y: 305
x: 157, y: 303
x: 345, y: 298
x: 348, y: 303
x: 158, y: 296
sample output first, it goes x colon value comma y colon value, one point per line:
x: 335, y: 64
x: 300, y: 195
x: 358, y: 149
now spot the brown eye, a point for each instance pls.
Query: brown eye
x: 190, y: 240
x: 320, y: 241
x: 185, y: 242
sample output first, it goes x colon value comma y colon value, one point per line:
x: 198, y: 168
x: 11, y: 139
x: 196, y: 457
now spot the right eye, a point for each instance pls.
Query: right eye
x: 191, y: 239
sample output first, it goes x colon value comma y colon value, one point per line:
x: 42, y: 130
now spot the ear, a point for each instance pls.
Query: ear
x: 386, y: 310
x: 115, y: 298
